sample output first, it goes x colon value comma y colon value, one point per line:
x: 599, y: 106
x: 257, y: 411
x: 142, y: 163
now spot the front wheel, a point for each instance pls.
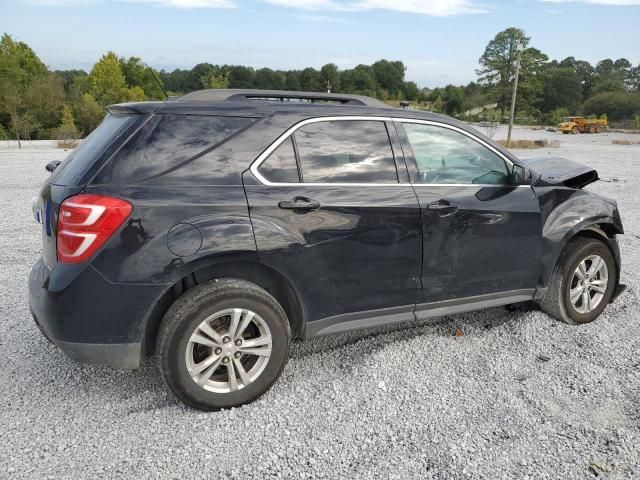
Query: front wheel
x: 582, y: 283
x: 574, y: 130
x: 222, y: 344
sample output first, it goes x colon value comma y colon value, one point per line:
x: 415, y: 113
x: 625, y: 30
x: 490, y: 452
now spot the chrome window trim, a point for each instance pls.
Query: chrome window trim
x: 459, y: 130
x: 282, y: 138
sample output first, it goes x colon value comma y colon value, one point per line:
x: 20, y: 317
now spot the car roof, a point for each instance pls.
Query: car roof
x: 265, y: 103
x: 260, y: 103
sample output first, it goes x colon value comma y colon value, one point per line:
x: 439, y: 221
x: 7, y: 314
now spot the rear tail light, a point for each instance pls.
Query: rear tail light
x: 85, y: 223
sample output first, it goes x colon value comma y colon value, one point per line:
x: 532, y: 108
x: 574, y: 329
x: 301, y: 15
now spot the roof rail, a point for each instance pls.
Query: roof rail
x: 237, y: 95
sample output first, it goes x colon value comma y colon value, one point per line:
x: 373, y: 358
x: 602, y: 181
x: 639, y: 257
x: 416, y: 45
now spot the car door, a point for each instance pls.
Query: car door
x: 330, y: 214
x: 481, y: 233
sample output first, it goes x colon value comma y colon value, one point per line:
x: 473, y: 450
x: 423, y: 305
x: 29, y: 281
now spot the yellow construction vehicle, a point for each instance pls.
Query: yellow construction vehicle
x: 582, y: 125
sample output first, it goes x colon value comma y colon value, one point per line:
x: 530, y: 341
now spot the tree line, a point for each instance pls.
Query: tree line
x: 547, y: 89
x: 37, y: 103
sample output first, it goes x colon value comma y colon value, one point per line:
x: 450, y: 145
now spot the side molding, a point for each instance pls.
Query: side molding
x: 407, y: 313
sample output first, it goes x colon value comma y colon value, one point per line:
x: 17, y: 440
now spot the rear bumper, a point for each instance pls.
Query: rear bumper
x: 91, y: 320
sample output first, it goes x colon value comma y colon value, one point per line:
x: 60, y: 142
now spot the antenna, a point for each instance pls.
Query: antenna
x: 155, y: 77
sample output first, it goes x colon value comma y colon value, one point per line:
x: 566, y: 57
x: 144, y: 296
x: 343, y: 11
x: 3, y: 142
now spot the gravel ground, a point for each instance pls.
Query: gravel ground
x: 519, y: 395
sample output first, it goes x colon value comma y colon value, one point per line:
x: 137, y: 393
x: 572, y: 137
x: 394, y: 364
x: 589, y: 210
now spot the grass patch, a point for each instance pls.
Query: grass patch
x: 624, y: 142
x: 528, y: 144
x: 67, y: 144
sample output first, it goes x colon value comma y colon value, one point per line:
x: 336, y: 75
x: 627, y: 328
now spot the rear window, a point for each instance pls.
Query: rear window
x: 77, y: 165
x: 165, y: 143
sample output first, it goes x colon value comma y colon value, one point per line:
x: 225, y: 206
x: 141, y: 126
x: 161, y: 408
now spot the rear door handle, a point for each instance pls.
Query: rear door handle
x: 300, y: 203
x: 443, y: 207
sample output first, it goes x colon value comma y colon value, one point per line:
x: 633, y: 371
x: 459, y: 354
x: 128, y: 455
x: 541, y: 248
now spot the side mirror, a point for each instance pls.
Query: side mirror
x: 51, y: 166
x: 520, y: 175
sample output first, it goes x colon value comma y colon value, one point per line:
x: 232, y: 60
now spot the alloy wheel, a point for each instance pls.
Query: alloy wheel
x: 228, y: 350
x: 589, y: 284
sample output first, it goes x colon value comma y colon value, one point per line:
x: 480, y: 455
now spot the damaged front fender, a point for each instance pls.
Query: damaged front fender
x: 565, y: 213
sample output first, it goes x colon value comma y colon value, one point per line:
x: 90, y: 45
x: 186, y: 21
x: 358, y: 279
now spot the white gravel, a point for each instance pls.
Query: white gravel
x: 519, y: 395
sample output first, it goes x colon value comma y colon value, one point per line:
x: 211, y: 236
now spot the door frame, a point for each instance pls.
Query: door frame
x: 390, y: 121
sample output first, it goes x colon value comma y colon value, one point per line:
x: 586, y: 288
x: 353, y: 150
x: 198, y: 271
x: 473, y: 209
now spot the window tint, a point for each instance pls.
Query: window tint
x: 166, y: 142
x: 346, y: 151
x: 447, y: 156
x: 280, y: 166
x: 82, y: 158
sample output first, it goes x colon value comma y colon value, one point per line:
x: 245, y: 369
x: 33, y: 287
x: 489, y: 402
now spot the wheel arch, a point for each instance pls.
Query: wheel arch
x: 242, y: 268
x: 604, y: 230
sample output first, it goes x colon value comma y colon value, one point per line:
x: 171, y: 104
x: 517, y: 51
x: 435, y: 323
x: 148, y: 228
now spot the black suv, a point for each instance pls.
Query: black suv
x: 214, y: 228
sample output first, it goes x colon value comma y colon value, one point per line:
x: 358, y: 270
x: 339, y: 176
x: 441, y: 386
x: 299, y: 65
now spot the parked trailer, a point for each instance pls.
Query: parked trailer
x: 582, y: 125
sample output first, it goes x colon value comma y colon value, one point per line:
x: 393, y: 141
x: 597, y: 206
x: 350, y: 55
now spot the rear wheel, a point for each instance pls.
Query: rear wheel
x: 222, y: 344
x: 583, y: 282
x: 592, y: 129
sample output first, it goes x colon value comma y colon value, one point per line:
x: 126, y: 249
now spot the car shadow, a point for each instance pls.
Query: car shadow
x: 144, y: 390
x: 446, y: 326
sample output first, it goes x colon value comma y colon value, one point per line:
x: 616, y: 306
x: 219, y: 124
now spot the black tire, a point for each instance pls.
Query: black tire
x: 556, y: 302
x: 575, y: 130
x: 189, y: 311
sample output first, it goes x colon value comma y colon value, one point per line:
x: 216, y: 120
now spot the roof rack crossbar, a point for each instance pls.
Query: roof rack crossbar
x: 233, y: 95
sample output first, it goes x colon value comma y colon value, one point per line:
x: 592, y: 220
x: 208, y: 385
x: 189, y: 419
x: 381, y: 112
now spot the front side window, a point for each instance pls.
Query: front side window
x: 447, y: 156
x: 346, y: 151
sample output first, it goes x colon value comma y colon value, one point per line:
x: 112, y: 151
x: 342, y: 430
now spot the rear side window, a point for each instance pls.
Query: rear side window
x: 281, y: 166
x: 166, y: 142
x: 346, y: 151
x: 85, y: 155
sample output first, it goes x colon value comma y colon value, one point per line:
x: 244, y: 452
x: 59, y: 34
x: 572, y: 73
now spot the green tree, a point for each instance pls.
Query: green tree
x: 293, y: 80
x: 241, y: 77
x: 67, y: 132
x: 562, y: 89
x: 139, y: 74
x: 43, y: 100
x: 616, y: 105
x: 175, y: 81
x: 498, y: 64
x: 612, y: 76
x: 268, y: 79
x: 359, y: 80
x: 330, y: 76
x: 25, y: 61
x: 389, y: 75
x: 585, y: 72
x: 19, y: 65
x: 88, y: 113
x: 411, y: 91
x: 453, y: 98
x: 311, y: 81
x: 108, y: 84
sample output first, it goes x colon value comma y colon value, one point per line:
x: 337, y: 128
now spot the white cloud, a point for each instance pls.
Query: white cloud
x: 161, y: 3
x: 323, y: 18
x: 622, y: 3
x: 440, y: 8
x: 188, y: 3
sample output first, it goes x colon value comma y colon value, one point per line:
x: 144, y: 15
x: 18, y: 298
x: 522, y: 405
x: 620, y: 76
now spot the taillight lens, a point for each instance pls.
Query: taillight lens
x: 85, y: 222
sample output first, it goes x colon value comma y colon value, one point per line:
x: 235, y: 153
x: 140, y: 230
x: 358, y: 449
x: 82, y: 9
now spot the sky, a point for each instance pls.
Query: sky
x: 439, y: 41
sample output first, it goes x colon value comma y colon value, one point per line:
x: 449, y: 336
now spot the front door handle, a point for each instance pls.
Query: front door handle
x: 300, y: 203
x: 443, y: 207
